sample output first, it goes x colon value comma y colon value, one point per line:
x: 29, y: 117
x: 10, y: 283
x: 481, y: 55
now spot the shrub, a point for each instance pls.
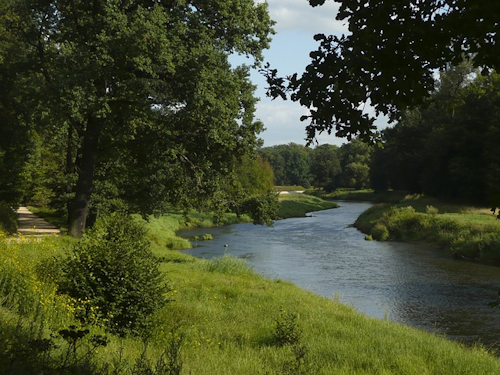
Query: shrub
x: 380, y: 232
x: 287, y: 330
x: 207, y: 237
x: 8, y: 218
x: 114, y: 277
x: 431, y: 210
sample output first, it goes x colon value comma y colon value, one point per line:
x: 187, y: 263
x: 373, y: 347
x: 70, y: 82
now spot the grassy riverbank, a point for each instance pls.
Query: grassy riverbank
x: 466, y: 232
x: 222, y: 319
x: 298, y: 205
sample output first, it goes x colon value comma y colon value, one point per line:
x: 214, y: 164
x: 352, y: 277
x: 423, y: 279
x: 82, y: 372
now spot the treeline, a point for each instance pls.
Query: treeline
x: 447, y: 148
x: 325, y: 166
x: 112, y: 106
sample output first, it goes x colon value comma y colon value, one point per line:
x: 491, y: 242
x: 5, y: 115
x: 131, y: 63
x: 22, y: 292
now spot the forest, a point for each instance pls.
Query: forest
x: 445, y: 148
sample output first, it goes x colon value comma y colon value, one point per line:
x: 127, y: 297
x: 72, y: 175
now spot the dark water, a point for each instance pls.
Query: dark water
x: 417, y: 285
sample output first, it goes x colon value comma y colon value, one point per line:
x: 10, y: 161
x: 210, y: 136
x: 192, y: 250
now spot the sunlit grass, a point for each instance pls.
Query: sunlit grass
x: 227, y: 317
x: 464, y: 231
x: 298, y: 205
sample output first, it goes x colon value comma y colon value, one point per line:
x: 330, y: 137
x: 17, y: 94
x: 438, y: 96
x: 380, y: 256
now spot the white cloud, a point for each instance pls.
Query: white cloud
x: 283, y: 125
x: 298, y: 15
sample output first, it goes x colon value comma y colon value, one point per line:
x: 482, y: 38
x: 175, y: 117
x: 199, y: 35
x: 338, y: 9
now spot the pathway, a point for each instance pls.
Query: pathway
x: 31, y: 225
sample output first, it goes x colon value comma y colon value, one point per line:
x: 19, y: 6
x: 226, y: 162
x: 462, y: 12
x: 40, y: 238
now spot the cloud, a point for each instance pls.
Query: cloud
x: 283, y: 125
x: 298, y: 15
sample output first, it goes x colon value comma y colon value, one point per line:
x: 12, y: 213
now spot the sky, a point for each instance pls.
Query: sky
x: 296, y: 24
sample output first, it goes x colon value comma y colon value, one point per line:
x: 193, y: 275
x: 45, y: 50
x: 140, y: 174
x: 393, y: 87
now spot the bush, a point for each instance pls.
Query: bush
x: 380, y: 232
x: 8, y: 218
x: 114, y: 277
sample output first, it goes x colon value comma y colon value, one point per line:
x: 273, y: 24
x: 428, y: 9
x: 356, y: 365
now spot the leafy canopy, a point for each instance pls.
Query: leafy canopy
x: 137, y: 99
x: 387, y: 60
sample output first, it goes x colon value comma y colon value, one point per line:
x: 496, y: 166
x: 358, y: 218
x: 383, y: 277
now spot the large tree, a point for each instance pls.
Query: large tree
x: 387, y: 59
x: 140, y: 95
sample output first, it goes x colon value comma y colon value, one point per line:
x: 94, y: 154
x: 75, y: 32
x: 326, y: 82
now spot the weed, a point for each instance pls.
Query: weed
x: 227, y: 264
x: 207, y: 237
x: 287, y: 330
x: 168, y: 363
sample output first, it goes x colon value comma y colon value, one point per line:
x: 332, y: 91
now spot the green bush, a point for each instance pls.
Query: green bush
x: 114, y: 277
x: 287, y: 330
x: 207, y: 237
x: 380, y: 232
x: 8, y: 218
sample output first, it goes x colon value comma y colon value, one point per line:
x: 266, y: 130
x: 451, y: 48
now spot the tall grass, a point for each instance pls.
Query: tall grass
x: 466, y: 232
x: 222, y: 319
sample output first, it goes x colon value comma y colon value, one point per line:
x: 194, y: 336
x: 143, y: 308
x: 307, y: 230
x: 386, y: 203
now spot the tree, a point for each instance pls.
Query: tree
x: 325, y: 166
x: 140, y: 94
x: 290, y: 163
x: 355, y: 162
x: 387, y: 60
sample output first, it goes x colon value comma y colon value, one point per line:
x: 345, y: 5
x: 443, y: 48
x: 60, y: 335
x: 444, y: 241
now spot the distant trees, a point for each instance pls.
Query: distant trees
x: 449, y: 147
x: 325, y: 166
x: 291, y: 163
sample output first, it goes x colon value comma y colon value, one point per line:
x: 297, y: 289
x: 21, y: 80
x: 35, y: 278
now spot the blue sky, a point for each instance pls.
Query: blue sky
x: 296, y: 24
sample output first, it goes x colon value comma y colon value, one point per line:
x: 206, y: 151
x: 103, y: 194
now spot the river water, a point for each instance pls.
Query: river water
x: 414, y: 284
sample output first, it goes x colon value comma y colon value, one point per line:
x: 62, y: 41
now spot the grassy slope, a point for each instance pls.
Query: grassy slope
x: 230, y: 320
x: 465, y: 231
x: 298, y: 205
x: 227, y: 315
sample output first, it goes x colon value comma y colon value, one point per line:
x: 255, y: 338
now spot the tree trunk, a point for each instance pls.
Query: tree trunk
x: 84, y: 186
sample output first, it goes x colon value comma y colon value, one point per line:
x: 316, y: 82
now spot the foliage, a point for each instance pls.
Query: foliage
x: 112, y: 105
x: 387, y: 59
x: 227, y: 265
x: 465, y: 233
x: 287, y: 330
x: 447, y: 148
x: 168, y: 363
x: 325, y: 167
x: 114, y: 277
x: 222, y: 323
x: 290, y: 164
x: 264, y: 209
x: 8, y: 218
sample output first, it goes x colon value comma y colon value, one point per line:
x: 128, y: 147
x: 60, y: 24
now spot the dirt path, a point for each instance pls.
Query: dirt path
x: 31, y: 225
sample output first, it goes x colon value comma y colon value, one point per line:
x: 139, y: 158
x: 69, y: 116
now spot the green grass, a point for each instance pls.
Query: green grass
x: 361, y: 195
x: 465, y: 231
x: 289, y: 188
x: 298, y: 205
x: 222, y: 319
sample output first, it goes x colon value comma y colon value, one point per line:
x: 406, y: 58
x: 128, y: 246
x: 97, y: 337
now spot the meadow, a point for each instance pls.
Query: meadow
x: 220, y: 318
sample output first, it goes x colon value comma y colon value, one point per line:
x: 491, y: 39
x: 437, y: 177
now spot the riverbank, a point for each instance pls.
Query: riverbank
x: 222, y: 319
x: 466, y: 232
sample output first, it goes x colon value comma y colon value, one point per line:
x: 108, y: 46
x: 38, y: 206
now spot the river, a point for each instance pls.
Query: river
x: 414, y: 284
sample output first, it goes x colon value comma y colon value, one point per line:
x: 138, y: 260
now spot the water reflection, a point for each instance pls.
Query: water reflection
x: 408, y: 283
